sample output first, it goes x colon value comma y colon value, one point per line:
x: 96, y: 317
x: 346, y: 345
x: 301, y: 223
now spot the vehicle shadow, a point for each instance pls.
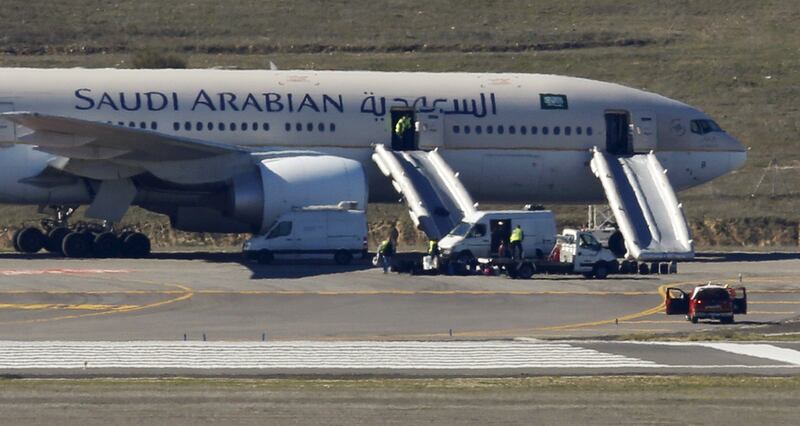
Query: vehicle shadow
x: 716, y: 257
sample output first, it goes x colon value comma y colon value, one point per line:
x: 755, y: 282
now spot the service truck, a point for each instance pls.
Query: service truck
x: 478, y: 237
x: 315, y: 232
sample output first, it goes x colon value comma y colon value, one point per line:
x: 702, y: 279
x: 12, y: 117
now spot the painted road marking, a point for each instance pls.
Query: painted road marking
x: 308, y: 354
x: 789, y: 356
x: 64, y: 306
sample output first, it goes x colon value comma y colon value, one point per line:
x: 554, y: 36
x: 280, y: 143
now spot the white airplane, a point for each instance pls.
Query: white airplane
x: 228, y: 151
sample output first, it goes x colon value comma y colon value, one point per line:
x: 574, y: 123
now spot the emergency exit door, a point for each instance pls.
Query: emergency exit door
x: 7, y: 128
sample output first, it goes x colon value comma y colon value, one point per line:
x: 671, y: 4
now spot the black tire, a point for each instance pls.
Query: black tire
x: 14, y: 238
x: 30, y: 240
x: 644, y: 269
x: 726, y: 320
x: 600, y: 270
x: 587, y: 275
x: 136, y: 245
x: 265, y: 257
x: 693, y: 320
x: 465, y: 257
x: 343, y: 257
x: 77, y: 245
x: 106, y: 245
x: 55, y: 239
x: 525, y: 271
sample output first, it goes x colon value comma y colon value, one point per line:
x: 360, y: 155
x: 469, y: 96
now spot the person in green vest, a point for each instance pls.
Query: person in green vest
x: 402, y: 125
x: 433, y: 248
x: 516, y: 242
x: 385, y: 252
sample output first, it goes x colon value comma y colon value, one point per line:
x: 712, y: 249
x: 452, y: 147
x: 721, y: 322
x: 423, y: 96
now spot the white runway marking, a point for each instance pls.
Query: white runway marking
x: 306, y: 354
x: 789, y: 356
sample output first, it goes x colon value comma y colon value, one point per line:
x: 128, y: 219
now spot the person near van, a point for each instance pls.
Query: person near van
x: 516, y: 242
x: 385, y: 252
x: 433, y: 248
x: 502, y: 249
x: 403, y: 124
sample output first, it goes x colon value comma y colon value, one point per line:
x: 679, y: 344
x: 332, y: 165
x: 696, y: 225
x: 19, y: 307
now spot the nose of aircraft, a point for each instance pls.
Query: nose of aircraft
x: 737, y: 152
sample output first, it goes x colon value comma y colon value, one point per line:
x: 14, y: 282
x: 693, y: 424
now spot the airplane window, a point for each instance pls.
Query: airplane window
x: 467, y: 129
x: 298, y: 127
x: 333, y: 127
x: 490, y: 129
x: 255, y: 126
x: 545, y: 130
x: 310, y: 127
x: 523, y: 130
x: 556, y: 130
x: 209, y: 126
x: 131, y: 124
x: 321, y: 127
x: 198, y: 126
x: 288, y: 127
x: 534, y: 130
x: 478, y: 129
x: 589, y: 131
x: 143, y: 125
x: 187, y: 126
x: 232, y: 127
x: 176, y: 126
x: 221, y: 126
x: 500, y: 129
x: 244, y: 126
x: 512, y: 130
x: 579, y: 130
x: 701, y: 127
x: 456, y: 129
x: 120, y: 123
x: 567, y: 130
x: 153, y: 125
x: 265, y: 126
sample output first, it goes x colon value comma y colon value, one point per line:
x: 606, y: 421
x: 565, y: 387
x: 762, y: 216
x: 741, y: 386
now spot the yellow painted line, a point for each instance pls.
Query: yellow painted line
x: 63, y: 306
x: 90, y: 292
x: 653, y: 322
x: 425, y: 292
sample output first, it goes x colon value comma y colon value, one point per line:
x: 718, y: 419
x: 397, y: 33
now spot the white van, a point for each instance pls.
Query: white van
x: 312, y: 233
x: 479, y: 235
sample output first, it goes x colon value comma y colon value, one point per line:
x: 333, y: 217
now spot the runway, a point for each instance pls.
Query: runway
x: 217, y: 299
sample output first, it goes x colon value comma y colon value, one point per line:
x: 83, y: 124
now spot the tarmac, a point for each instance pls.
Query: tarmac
x: 182, y: 299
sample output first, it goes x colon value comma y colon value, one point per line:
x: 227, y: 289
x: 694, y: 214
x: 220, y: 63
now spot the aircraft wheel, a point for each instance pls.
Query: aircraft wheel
x: 136, y: 245
x: 14, y: 240
x: 525, y: 271
x: 107, y: 244
x: 30, y: 240
x: 644, y: 269
x: 77, y: 244
x: 343, y: 257
x: 55, y: 238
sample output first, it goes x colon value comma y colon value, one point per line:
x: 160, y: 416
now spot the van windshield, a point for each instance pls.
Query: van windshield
x: 461, y: 229
x: 280, y: 230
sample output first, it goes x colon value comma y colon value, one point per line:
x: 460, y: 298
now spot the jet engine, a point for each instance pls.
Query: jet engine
x: 281, y: 184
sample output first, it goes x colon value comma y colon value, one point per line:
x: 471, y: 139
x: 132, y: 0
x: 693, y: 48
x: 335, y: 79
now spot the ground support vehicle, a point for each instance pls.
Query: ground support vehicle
x: 316, y: 232
x: 710, y: 301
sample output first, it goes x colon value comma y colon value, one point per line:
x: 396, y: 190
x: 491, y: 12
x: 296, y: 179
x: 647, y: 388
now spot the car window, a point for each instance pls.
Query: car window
x: 478, y: 230
x: 282, y: 229
x: 713, y: 295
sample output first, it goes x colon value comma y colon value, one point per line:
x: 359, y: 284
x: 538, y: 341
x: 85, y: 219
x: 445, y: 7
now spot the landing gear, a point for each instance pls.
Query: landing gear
x: 81, y: 240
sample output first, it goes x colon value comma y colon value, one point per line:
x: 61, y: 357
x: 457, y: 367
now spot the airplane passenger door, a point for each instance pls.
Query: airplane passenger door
x: 8, y: 130
x: 430, y: 128
x: 643, y: 130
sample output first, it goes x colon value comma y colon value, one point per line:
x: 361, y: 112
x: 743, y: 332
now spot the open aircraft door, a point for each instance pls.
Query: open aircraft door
x: 643, y: 130
x: 430, y: 128
x: 676, y: 302
x: 8, y: 132
x: 740, y: 300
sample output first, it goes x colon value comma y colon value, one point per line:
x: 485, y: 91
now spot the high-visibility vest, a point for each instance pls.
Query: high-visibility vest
x: 433, y: 247
x: 402, y: 125
x: 385, y: 247
x: 516, y: 235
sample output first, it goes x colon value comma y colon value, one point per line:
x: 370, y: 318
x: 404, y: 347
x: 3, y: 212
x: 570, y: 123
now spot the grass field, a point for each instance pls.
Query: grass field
x: 736, y: 59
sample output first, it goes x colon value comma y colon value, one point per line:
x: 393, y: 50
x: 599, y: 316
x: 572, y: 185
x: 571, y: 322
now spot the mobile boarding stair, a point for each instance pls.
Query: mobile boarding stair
x: 436, y: 198
x: 645, y: 206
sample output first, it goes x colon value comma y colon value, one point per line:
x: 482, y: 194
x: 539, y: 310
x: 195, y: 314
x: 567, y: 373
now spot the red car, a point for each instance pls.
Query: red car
x: 710, y: 301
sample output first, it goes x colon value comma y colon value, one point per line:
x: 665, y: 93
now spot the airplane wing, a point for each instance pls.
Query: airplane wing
x: 89, y: 140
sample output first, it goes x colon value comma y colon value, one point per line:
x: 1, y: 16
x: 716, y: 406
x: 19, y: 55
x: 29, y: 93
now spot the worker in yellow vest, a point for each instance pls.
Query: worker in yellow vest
x: 403, y: 124
x: 516, y: 242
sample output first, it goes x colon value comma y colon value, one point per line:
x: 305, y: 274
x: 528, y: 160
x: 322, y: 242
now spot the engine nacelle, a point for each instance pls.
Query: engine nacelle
x: 281, y: 184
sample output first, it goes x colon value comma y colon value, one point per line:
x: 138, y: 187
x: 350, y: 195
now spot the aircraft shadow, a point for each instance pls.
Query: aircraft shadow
x: 718, y: 257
